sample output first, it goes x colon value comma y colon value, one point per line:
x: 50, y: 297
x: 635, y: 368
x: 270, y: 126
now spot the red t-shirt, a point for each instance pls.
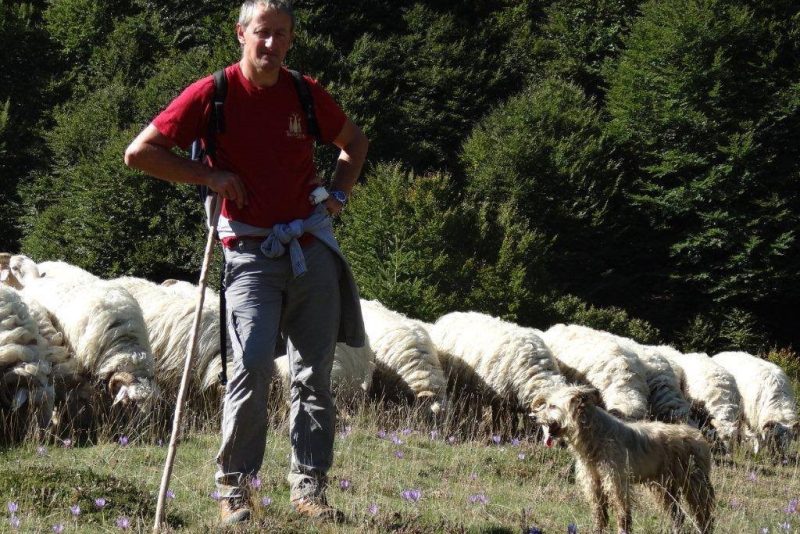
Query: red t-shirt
x: 266, y: 141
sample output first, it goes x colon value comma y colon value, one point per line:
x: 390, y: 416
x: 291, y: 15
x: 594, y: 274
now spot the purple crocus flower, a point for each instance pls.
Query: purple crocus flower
x: 14, y: 520
x: 12, y: 507
x: 58, y: 528
x: 521, y: 456
x: 412, y: 495
x: 434, y: 434
x: 396, y: 440
x: 406, y: 431
x: 381, y: 434
x: 170, y: 494
x: 451, y: 440
x: 41, y: 450
x: 67, y: 443
x: 123, y: 441
x: 736, y: 504
x: 372, y: 509
x: 266, y: 501
x: 100, y: 503
x: 255, y: 483
x: 478, y: 498
x: 347, y: 431
x: 123, y: 523
x: 572, y: 528
x: 399, y: 454
x: 785, y: 526
x: 496, y: 439
x: 215, y: 495
x: 515, y: 442
x: 792, y: 507
x: 344, y: 484
x: 75, y: 510
x: 752, y: 477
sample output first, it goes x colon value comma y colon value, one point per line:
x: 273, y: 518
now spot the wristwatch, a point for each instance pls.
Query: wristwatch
x: 340, y: 196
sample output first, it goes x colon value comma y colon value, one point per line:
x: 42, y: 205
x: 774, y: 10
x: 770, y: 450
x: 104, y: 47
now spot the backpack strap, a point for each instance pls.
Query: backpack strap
x: 307, y: 103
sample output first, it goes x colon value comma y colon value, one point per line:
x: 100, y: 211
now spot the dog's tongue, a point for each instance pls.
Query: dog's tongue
x: 548, y: 439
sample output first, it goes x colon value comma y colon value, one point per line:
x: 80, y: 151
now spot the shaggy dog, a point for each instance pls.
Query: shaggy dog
x: 673, y: 460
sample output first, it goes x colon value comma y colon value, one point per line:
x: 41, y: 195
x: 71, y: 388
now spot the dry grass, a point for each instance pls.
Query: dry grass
x: 524, y: 484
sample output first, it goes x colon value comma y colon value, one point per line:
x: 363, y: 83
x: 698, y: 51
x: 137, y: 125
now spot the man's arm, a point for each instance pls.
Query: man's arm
x: 151, y: 152
x: 353, y: 144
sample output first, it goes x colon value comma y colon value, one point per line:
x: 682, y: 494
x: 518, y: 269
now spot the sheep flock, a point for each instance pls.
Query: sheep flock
x: 77, y: 350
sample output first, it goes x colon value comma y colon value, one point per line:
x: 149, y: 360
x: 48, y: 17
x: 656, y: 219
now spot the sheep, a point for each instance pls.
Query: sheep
x: 406, y: 362
x: 714, y: 397
x: 24, y: 368
x: 496, y: 360
x: 768, y: 403
x: 102, y: 325
x: 590, y: 357
x: 666, y: 400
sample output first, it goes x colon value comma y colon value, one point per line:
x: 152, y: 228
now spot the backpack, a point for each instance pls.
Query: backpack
x: 216, y: 124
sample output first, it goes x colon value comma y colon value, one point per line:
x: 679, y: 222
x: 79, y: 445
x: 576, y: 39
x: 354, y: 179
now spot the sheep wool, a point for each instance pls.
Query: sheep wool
x: 590, y: 357
x: 509, y: 362
x: 404, y: 355
x: 768, y: 404
x: 713, y: 394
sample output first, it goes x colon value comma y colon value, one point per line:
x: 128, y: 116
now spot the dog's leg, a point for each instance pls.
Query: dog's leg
x: 619, y: 494
x: 700, y: 500
x: 589, y: 481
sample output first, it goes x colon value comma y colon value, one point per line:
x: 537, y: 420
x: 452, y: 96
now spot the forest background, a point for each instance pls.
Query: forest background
x: 633, y: 166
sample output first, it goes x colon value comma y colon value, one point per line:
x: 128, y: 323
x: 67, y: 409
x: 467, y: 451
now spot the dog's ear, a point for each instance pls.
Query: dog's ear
x: 539, y: 402
x: 588, y: 395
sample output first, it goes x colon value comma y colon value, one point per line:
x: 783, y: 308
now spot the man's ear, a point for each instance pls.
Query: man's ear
x: 240, y: 33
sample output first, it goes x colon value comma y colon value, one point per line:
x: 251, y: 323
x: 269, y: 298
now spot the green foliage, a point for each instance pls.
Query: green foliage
x: 704, y: 99
x: 570, y: 309
x: 789, y: 361
x: 722, y: 330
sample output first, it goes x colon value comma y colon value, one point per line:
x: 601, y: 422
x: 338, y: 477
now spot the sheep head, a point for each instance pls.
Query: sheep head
x: 23, y: 269
x: 6, y: 276
x: 127, y: 390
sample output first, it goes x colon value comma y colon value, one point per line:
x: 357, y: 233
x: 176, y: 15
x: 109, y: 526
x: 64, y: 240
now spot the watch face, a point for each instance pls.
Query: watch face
x: 340, y: 196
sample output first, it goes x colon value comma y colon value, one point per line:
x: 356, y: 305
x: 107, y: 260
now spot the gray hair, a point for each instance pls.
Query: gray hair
x: 249, y: 8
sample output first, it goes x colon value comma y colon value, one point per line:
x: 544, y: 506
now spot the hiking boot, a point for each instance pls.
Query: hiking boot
x: 318, y: 509
x: 233, y: 510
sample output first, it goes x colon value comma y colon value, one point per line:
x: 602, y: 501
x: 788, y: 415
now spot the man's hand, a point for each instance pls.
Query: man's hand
x: 333, y: 206
x: 228, y: 185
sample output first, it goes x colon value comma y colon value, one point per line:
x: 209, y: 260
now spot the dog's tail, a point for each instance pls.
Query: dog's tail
x: 699, y: 491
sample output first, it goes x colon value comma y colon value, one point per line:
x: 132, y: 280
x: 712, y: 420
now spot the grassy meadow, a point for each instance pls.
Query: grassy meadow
x: 391, y: 474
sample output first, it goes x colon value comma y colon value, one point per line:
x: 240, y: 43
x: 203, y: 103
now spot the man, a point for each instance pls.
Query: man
x: 263, y: 169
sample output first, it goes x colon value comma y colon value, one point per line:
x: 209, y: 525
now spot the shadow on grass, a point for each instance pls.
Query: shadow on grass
x: 45, y: 489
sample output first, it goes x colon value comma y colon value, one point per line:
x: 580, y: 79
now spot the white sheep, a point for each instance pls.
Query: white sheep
x: 25, y: 371
x: 768, y: 404
x: 713, y: 395
x: 102, y: 326
x: 406, y: 362
x: 591, y: 357
x: 505, y: 364
x: 666, y: 401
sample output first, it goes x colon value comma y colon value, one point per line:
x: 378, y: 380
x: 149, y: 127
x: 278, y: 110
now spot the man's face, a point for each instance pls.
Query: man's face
x: 267, y: 39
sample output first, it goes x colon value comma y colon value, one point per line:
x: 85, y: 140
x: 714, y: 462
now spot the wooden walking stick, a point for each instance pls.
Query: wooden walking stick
x: 187, y: 366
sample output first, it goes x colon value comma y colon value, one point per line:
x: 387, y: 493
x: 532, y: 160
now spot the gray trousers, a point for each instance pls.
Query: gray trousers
x: 263, y: 298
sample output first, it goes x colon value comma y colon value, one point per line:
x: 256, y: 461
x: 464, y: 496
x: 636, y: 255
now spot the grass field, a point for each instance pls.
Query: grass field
x: 382, y: 465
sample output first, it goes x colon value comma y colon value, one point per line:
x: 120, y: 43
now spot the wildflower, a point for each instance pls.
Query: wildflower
x: 381, y: 434
x: 100, y: 503
x: 764, y: 530
x: 785, y: 526
x: 412, y: 495
x: 255, y: 483
x: 123, y: 441
x: 75, y: 510
x: 12, y: 507
x: 396, y: 440
x: 406, y: 431
x: 170, y: 494
x: 752, y: 477
x: 399, y: 454
x: 572, y: 528
x: 372, y: 509
x: 434, y: 434
x: 451, y: 440
x: 215, y: 495
x: 792, y: 508
x: 41, y: 450
x: 515, y: 442
x: 123, y: 523
x: 521, y: 456
x: 344, y: 484
x: 160, y: 442
x: 266, y: 501
x: 58, y: 528
x: 736, y: 504
x: 496, y: 439
x: 14, y: 520
x: 473, y: 476
x: 478, y: 498
x: 347, y: 431
x: 67, y: 443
